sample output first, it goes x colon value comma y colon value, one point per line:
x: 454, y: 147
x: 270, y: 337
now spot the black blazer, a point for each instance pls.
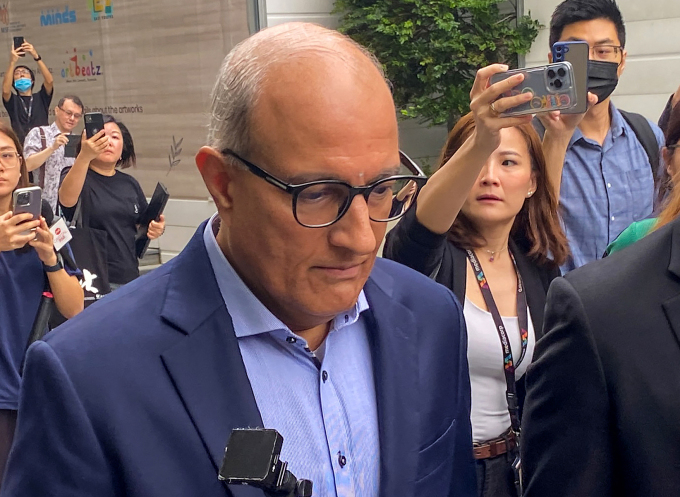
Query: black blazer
x: 412, y: 244
x: 602, y: 413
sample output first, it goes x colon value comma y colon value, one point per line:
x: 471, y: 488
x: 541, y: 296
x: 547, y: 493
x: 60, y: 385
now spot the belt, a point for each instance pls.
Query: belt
x: 495, y: 447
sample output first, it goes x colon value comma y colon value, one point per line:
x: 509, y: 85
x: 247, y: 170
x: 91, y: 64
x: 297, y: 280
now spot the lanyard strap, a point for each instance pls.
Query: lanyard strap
x: 28, y: 109
x: 509, y: 366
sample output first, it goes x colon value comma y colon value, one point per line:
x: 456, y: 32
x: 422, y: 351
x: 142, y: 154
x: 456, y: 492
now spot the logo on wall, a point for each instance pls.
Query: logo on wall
x: 101, y: 9
x: 81, y: 67
x: 7, y: 25
x: 52, y: 17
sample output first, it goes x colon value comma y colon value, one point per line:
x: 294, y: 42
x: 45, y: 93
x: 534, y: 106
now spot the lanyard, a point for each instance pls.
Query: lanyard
x: 509, y: 366
x: 28, y: 109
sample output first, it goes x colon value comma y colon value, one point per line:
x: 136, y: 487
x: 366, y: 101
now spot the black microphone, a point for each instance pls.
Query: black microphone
x: 252, y: 457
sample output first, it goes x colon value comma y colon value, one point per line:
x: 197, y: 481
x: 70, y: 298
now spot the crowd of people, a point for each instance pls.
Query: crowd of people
x: 519, y: 336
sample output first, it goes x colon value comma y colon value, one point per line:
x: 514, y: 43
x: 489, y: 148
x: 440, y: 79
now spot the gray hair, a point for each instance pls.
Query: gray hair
x: 245, y: 68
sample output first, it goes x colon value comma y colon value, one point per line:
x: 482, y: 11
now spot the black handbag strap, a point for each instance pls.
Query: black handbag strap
x: 77, y: 219
x: 43, y: 143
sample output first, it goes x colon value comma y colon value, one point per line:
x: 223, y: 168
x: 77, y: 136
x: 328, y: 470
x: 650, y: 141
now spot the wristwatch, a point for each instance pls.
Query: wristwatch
x: 53, y: 269
x: 39, y: 58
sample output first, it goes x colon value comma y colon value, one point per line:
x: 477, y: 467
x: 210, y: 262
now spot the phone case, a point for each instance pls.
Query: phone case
x: 94, y: 123
x: 27, y: 200
x: 552, y: 87
x: 577, y: 53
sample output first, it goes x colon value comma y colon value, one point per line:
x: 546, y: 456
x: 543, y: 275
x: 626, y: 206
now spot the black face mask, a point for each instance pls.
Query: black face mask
x: 602, y: 78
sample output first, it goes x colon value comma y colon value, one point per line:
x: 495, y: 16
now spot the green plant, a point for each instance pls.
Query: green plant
x: 431, y: 49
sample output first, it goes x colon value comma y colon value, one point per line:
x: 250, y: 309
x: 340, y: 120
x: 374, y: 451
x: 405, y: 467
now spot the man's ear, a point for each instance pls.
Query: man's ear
x: 622, y: 65
x: 217, y: 176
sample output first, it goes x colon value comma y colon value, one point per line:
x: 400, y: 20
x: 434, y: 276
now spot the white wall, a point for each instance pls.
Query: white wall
x: 652, y: 70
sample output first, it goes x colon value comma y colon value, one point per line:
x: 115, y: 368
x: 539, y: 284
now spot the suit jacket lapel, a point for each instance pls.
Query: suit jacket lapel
x: 672, y: 306
x: 395, y: 370
x: 206, y: 365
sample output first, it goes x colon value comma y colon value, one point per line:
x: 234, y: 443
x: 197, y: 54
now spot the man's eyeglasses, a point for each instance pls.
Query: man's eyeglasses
x: 22, y: 72
x: 318, y: 204
x: 674, y: 147
x: 606, y: 53
x: 70, y: 114
x: 10, y: 159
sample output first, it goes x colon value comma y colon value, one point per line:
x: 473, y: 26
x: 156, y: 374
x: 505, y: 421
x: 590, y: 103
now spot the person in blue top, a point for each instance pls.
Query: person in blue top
x: 607, y: 180
x: 26, y: 261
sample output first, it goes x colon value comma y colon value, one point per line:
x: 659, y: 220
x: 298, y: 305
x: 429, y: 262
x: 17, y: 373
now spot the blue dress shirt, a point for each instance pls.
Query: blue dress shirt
x: 325, y: 409
x: 604, y: 189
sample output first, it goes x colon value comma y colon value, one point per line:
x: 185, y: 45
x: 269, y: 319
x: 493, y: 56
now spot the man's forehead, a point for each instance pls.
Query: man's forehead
x: 594, y: 31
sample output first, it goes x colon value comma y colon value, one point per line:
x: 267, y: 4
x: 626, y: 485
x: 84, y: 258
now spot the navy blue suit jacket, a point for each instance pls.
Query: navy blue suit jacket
x: 137, y: 396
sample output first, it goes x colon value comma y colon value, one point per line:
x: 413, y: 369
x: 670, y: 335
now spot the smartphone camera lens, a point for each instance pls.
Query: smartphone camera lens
x: 23, y: 199
x: 561, y: 72
x: 551, y: 74
x: 558, y: 84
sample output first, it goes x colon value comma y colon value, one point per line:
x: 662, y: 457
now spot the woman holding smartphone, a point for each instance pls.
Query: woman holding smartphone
x: 486, y: 226
x: 111, y: 200
x: 26, y: 262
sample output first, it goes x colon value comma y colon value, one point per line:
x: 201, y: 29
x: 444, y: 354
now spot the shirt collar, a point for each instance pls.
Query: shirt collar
x: 616, y: 126
x: 250, y: 316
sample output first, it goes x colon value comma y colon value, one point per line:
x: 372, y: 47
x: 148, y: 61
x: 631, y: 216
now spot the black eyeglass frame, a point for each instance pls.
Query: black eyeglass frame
x: 295, y: 189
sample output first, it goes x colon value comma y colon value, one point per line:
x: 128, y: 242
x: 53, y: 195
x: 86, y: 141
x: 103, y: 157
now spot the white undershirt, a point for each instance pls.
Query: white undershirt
x: 489, y: 415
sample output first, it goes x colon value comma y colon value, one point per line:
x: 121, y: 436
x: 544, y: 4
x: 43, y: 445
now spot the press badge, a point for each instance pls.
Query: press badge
x: 62, y: 235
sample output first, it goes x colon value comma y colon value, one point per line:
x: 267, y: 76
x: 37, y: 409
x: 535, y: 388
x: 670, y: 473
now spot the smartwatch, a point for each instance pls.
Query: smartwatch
x: 53, y: 269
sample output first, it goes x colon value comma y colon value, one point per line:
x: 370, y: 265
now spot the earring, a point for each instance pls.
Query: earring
x: 529, y: 194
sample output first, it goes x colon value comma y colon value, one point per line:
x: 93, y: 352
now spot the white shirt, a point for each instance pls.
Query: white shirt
x: 489, y: 414
x: 54, y: 164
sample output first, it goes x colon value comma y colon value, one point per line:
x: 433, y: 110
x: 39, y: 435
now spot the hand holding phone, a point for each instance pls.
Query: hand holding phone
x: 551, y: 87
x: 577, y: 54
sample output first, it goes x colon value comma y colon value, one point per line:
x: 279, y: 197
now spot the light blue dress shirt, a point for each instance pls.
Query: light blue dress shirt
x: 604, y: 189
x: 324, y: 409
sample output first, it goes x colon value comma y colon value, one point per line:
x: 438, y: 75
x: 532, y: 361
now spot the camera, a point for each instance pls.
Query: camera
x: 23, y: 199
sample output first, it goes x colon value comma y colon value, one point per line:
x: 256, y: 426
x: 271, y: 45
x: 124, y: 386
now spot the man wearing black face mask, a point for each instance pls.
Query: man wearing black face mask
x: 610, y: 166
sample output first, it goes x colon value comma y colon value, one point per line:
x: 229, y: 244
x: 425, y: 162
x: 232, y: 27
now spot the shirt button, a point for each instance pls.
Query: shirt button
x: 609, y: 185
x: 613, y: 218
x: 324, y: 376
x: 291, y: 340
x: 342, y: 460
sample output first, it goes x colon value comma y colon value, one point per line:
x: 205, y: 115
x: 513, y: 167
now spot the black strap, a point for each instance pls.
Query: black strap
x: 645, y: 135
x: 43, y: 143
x: 28, y: 109
x: 77, y: 219
x: 509, y: 365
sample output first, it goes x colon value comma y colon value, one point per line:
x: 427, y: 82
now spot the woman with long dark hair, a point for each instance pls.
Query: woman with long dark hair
x: 486, y: 226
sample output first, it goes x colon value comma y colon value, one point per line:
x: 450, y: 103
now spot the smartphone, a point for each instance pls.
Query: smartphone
x: 577, y: 54
x: 18, y: 41
x: 552, y: 87
x: 27, y: 200
x: 71, y: 147
x: 94, y: 123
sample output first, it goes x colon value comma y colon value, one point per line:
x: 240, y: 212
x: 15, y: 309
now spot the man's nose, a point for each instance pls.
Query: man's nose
x: 354, y: 231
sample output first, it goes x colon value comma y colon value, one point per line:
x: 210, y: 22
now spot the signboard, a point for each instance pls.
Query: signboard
x: 149, y: 64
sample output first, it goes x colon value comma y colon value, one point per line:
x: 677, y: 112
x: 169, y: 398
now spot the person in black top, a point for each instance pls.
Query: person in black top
x: 112, y: 201
x: 26, y: 109
x: 486, y: 226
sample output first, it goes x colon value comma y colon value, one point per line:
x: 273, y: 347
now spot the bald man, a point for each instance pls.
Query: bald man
x: 276, y: 314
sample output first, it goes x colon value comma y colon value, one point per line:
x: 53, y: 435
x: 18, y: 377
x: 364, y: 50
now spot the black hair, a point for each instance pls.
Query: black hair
x: 73, y: 99
x: 30, y: 71
x: 128, y: 158
x: 673, y: 128
x: 572, y: 11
